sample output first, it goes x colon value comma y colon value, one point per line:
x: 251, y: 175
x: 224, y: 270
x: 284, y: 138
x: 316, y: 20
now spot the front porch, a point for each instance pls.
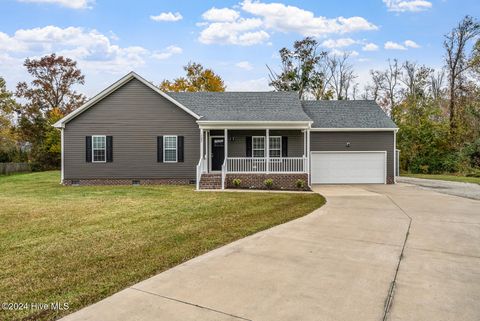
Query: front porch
x: 250, y: 156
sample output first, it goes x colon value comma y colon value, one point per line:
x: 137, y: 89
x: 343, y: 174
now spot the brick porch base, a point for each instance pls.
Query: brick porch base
x: 256, y: 181
x: 141, y: 181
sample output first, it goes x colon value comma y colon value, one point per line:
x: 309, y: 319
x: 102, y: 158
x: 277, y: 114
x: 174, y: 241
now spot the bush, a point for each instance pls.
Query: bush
x: 423, y: 169
x: 300, y: 183
x: 473, y: 173
x: 237, y: 182
x: 268, y: 183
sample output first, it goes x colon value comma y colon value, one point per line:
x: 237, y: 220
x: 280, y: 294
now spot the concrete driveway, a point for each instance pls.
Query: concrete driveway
x: 342, y: 262
x: 468, y: 190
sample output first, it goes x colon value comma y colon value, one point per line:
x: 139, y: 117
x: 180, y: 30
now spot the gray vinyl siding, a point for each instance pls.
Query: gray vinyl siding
x: 134, y: 115
x: 237, y: 147
x: 359, y: 141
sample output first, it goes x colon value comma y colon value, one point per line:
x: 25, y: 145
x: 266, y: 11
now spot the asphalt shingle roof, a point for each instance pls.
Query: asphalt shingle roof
x: 347, y: 114
x: 243, y: 106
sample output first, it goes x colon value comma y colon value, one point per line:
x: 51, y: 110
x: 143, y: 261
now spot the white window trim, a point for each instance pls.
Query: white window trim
x: 165, y: 148
x: 254, y: 149
x: 104, y: 149
x: 265, y: 147
x: 270, y: 145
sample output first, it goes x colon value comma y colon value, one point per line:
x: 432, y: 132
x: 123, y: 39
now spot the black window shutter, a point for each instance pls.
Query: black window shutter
x: 109, y: 149
x: 284, y: 146
x: 88, y: 149
x: 248, y: 144
x: 180, y: 149
x: 160, y: 149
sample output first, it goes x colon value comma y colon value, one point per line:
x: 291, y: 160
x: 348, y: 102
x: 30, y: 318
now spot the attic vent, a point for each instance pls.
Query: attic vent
x: 135, y: 182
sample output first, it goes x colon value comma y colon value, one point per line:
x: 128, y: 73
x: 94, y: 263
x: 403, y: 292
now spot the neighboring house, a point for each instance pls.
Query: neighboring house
x: 133, y: 133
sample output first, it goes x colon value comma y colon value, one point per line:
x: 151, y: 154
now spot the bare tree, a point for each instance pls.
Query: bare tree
x: 415, y: 78
x: 385, y: 87
x: 373, y: 90
x: 320, y: 87
x: 436, y: 84
x: 456, y: 61
x: 391, y: 78
x: 342, y: 75
x: 355, y: 91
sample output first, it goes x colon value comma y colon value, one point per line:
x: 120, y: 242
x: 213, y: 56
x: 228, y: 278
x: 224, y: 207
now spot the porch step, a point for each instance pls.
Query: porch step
x: 211, y: 181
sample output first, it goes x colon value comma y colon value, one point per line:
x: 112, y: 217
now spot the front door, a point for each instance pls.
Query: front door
x: 218, y: 153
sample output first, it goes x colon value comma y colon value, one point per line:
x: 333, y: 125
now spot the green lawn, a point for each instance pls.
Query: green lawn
x: 77, y: 245
x: 453, y: 178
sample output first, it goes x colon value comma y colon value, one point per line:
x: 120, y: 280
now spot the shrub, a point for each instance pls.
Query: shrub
x: 268, y: 183
x: 237, y: 182
x: 423, y: 169
x: 300, y: 183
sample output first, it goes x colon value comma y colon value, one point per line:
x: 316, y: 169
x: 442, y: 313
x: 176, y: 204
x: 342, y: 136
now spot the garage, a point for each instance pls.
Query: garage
x: 348, y: 167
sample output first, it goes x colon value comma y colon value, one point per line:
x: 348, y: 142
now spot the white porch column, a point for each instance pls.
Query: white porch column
x: 201, y: 145
x: 207, y: 150
x: 267, y: 144
x: 308, y: 157
x: 226, y: 142
x: 305, y: 143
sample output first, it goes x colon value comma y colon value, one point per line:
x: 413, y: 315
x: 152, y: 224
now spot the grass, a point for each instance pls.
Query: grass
x: 77, y: 245
x: 453, y: 178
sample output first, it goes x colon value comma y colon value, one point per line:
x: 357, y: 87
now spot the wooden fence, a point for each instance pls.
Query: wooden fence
x: 9, y: 168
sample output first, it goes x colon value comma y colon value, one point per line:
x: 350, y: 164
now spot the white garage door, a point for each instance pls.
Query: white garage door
x: 348, y: 167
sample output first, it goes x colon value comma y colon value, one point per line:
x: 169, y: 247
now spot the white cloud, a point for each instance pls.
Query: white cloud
x: 242, y: 32
x: 260, y: 84
x: 338, y: 43
x: 220, y: 15
x: 411, y: 44
x: 370, y: 47
x: 288, y: 18
x: 92, y: 50
x: 167, y: 53
x: 244, y: 65
x: 167, y: 16
x: 337, y: 52
x: 72, y: 4
x: 390, y: 45
x: 226, y: 26
x: 407, y: 5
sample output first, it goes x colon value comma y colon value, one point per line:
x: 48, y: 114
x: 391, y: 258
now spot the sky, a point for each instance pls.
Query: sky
x: 237, y: 39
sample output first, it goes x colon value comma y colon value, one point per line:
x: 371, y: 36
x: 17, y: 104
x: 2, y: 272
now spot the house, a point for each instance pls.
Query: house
x: 133, y: 133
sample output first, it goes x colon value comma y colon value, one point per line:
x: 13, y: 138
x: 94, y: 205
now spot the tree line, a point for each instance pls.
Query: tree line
x: 437, y: 110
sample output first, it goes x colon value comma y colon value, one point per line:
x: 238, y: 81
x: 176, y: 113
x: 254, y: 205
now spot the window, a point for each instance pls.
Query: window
x: 275, y: 146
x: 258, y: 146
x: 99, y: 147
x: 170, y: 149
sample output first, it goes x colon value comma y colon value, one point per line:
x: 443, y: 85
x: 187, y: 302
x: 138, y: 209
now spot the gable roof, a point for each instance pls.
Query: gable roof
x: 243, y: 106
x: 107, y: 91
x: 347, y: 114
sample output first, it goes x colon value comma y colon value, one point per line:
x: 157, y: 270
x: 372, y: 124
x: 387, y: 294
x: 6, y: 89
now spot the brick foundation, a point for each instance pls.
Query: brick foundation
x: 141, y: 181
x: 256, y: 181
x: 390, y: 180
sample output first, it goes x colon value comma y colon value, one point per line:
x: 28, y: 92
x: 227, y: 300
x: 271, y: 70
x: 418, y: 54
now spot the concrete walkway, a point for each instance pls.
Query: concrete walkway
x: 338, y: 263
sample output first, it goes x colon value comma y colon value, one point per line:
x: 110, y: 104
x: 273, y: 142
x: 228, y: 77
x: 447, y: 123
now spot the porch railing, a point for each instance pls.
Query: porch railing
x: 262, y: 165
x: 201, y: 168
